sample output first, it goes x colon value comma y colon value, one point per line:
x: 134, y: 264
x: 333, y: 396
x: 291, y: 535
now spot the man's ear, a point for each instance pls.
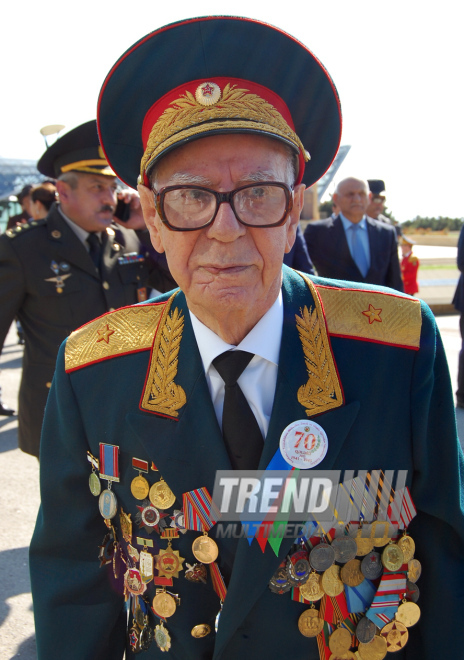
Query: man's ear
x: 151, y: 216
x: 294, y: 215
x: 62, y: 189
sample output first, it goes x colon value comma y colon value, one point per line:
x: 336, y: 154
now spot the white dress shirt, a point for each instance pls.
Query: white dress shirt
x: 258, y: 381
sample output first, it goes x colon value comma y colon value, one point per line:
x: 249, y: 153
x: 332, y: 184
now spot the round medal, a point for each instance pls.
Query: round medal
x: 331, y: 583
x: 365, y: 630
x: 396, y: 636
x: 205, y: 549
x: 408, y: 614
x: 374, y: 650
x: 140, y: 487
x: 412, y: 591
x: 94, y: 484
x: 108, y: 504
x: 348, y: 655
x: 345, y: 549
x: 200, y: 631
x: 303, y: 444
x: 371, y: 566
x: 279, y: 583
x: 322, y: 557
x: 164, y: 605
x: 298, y: 568
x: 384, y: 528
x: 408, y: 547
x: 392, y: 557
x: 146, y: 638
x: 340, y: 641
x: 310, y: 624
x: 351, y: 573
x: 312, y: 589
x: 414, y: 570
x: 161, y: 495
x: 133, y: 582
x: 150, y: 516
x: 364, y: 544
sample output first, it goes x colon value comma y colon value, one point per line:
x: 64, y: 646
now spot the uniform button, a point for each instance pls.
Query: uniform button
x: 105, y: 285
x: 56, y: 233
x: 116, y: 247
x: 111, y: 309
x: 48, y: 385
x: 138, y: 277
x: 110, y: 232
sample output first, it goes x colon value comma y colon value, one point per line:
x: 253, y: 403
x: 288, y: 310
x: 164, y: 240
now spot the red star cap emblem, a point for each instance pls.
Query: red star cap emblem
x: 207, y: 90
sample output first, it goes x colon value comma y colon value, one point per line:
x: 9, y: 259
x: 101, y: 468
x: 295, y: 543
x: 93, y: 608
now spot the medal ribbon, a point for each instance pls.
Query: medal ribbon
x: 385, y: 604
x: 218, y: 581
x: 200, y: 514
x: 402, y: 509
x: 138, y: 464
x: 359, y: 598
x: 109, y: 462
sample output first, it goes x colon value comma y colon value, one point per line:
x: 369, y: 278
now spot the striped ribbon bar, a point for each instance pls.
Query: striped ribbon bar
x: 323, y: 640
x: 359, y: 598
x: 93, y: 461
x: 109, y: 462
x: 218, y: 581
x: 385, y: 604
x: 200, y: 513
x: 138, y: 464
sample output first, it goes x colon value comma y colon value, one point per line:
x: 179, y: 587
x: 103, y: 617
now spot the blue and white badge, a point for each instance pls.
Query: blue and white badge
x: 303, y: 444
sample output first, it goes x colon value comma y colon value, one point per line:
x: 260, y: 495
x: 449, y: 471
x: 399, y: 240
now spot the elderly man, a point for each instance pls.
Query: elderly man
x: 226, y: 373
x: 354, y: 246
x: 62, y: 271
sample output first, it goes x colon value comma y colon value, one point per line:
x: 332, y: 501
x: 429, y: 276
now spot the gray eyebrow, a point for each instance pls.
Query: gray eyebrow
x: 185, y: 178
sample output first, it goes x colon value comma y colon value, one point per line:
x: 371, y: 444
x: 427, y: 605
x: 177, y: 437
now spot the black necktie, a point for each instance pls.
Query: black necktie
x: 95, y: 249
x: 240, y: 430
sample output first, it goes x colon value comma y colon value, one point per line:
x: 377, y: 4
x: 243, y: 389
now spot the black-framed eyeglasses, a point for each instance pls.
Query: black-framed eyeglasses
x: 188, y: 208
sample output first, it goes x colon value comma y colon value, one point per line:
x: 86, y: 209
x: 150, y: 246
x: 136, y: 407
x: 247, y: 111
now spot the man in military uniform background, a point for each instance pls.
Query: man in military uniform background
x: 155, y: 398
x: 60, y: 272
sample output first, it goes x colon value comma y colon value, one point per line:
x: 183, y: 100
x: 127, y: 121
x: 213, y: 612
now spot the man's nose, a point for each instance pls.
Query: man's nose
x: 226, y: 227
x: 108, y: 196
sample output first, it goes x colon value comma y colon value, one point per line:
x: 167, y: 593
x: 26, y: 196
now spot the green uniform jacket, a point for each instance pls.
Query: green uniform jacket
x: 393, y: 410
x: 48, y: 311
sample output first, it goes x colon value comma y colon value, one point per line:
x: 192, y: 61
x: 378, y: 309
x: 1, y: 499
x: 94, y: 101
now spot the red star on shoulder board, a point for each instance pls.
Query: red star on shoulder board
x: 373, y: 314
x: 104, y: 333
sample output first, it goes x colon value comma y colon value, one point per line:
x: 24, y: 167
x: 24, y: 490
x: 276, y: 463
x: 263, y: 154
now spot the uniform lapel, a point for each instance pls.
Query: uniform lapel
x: 252, y: 568
x: 67, y: 245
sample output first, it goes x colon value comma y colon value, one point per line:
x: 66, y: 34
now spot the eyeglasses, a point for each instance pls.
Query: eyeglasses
x: 188, y: 208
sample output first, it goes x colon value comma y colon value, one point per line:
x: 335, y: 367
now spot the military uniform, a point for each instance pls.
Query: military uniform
x: 394, y: 409
x: 49, y: 282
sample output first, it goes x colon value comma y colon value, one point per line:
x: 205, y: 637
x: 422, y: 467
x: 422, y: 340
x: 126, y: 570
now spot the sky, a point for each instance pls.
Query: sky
x: 397, y: 66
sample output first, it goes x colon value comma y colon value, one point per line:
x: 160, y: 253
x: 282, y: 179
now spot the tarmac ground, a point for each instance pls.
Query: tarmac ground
x: 19, y: 500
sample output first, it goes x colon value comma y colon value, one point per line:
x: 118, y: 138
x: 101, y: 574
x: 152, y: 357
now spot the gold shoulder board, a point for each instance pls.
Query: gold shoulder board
x: 126, y: 330
x: 384, y: 318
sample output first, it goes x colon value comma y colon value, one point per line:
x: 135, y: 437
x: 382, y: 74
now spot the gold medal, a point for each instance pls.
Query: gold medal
x: 161, y: 496
x: 408, y: 613
x: 351, y: 573
x: 205, y: 549
x: 310, y: 624
x: 331, y: 582
x: 164, y: 604
x: 365, y: 545
x: 169, y: 562
x: 396, y: 636
x: 392, y: 557
x: 380, y: 541
x: 414, y: 570
x: 94, y: 484
x: 201, y: 630
x: 375, y: 650
x: 340, y: 641
x: 126, y: 525
x: 162, y: 638
x: 408, y: 547
x: 140, y: 487
x: 312, y: 588
x: 343, y: 656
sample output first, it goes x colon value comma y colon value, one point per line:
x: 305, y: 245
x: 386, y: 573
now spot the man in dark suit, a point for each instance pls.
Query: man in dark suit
x: 150, y: 401
x: 353, y: 246
x: 54, y: 279
x: 458, y: 302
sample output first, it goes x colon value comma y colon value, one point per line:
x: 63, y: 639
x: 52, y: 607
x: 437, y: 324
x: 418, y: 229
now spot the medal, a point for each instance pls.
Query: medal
x: 414, y: 570
x: 331, y: 583
x: 133, y: 638
x: 108, y: 504
x: 298, y: 568
x: 201, y: 630
x: 322, y: 557
x: 374, y: 650
x: 407, y: 546
x: 177, y: 521
x: 161, y: 496
x: 408, y: 613
x: 351, y: 573
x: 345, y: 549
x: 380, y: 541
x: 146, y: 636
x: 126, y: 525
x: 139, y: 485
x: 365, y: 631
x: 205, y: 549
x: 392, y: 557
x: 196, y: 573
x: 149, y: 518
x: 169, y: 562
x: 94, y: 481
x: 133, y: 582
x: 312, y: 589
x: 279, y: 583
x: 396, y: 635
x: 303, y: 444
x: 364, y: 545
x: 146, y: 560
x: 162, y: 638
x: 340, y: 641
x: 412, y: 591
x: 164, y: 605
x: 371, y: 566
x: 310, y: 624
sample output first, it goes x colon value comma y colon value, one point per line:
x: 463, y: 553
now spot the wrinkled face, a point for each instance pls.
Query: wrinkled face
x: 92, y: 204
x: 352, y: 198
x: 376, y: 206
x: 224, y: 266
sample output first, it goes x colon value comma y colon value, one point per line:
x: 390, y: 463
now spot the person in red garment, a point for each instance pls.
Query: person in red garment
x: 409, y: 266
